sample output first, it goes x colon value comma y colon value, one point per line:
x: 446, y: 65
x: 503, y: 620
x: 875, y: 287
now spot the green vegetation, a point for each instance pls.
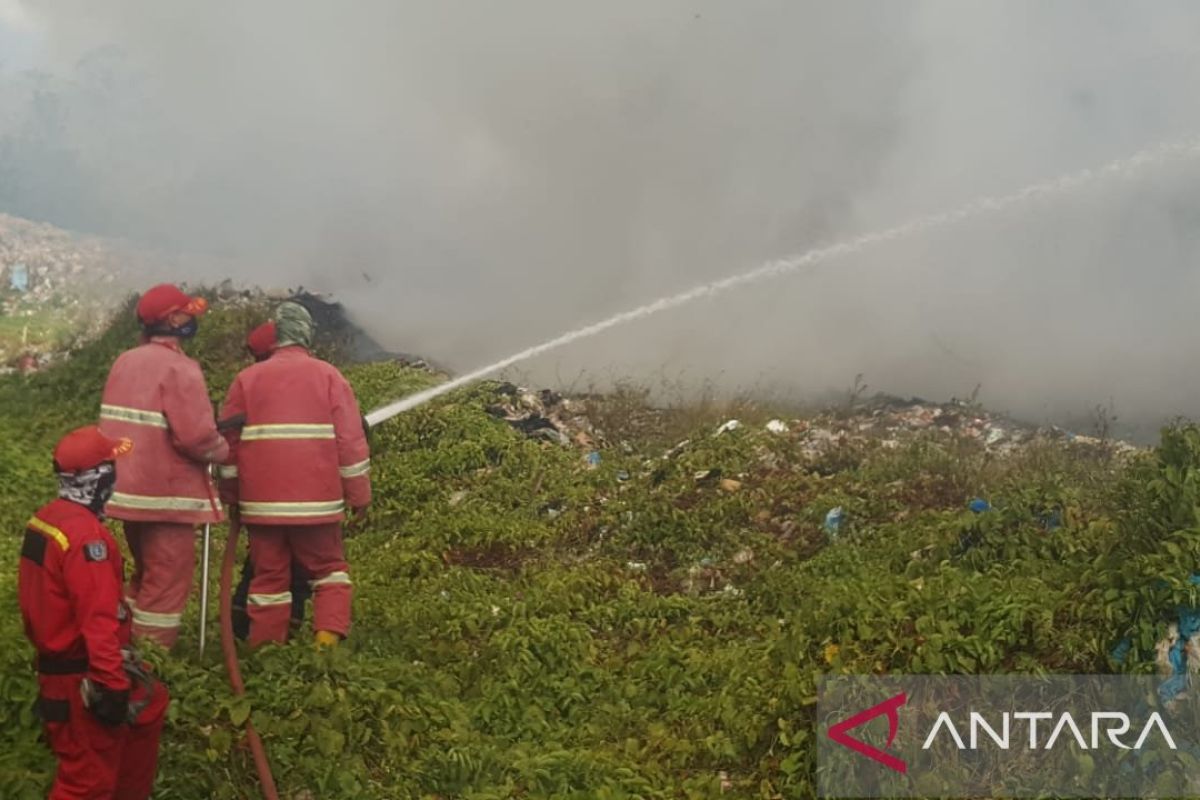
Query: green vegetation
x: 529, y: 627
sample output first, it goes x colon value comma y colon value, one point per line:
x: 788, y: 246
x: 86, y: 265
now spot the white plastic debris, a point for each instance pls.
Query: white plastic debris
x: 731, y: 425
x: 777, y: 426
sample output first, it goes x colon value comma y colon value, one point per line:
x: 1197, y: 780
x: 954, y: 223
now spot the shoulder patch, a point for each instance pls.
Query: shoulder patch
x: 95, y: 551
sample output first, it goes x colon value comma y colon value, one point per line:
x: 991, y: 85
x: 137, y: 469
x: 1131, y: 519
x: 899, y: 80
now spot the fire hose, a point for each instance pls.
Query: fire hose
x: 229, y: 648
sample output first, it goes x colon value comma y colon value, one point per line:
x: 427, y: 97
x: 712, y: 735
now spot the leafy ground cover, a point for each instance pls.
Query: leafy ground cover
x: 529, y: 625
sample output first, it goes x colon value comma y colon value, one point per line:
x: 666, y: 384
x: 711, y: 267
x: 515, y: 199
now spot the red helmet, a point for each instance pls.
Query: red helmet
x: 160, y: 301
x: 85, y: 448
x: 261, y: 341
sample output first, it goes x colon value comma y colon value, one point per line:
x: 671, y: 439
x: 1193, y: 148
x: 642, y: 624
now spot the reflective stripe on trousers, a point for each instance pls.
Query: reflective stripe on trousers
x: 333, y: 578
x: 279, y: 598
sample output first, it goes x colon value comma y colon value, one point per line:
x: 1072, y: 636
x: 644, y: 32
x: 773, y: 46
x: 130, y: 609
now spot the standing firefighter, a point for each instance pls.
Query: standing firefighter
x: 260, y: 344
x: 301, y: 460
x: 156, y: 396
x: 102, y: 712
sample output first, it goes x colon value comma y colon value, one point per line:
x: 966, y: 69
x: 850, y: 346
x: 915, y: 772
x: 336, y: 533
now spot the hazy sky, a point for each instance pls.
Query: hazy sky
x: 475, y: 177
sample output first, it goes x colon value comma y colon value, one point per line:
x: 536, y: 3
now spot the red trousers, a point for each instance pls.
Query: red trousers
x: 318, y: 550
x: 164, y: 561
x: 96, y: 762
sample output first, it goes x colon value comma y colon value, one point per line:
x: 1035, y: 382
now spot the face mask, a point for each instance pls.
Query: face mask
x: 185, y: 331
x: 188, y: 329
x: 92, y: 488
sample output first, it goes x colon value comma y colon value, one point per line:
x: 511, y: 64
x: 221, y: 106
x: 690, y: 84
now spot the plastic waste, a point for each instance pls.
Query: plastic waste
x: 592, y: 459
x: 833, y: 520
x: 731, y: 425
x: 777, y: 426
x: 978, y: 505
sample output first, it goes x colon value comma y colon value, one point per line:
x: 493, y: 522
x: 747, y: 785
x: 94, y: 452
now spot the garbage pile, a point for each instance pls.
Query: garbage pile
x: 546, y: 415
x: 40, y: 263
x: 888, y: 419
x: 55, y: 287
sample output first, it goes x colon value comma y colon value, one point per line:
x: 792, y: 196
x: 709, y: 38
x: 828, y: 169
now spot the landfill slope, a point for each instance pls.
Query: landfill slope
x: 591, y: 597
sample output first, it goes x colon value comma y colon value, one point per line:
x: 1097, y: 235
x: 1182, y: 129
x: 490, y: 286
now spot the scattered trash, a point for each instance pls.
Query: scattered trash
x: 622, y: 476
x: 729, y: 485
x: 592, y: 459
x: 676, y: 450
x: 777, y: 426
x: 636, y: 566
x: 545, y: 415
x: 833, y: 520
x: 743, y: 556
x: 707, y: 477
x: 731, y: 425
x: 978, y: 505
x: 1051, y: 520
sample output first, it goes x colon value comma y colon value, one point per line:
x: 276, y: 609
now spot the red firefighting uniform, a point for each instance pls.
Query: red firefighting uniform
x: 299, y: 460
x: 69, y: 588
x: 156, y: 396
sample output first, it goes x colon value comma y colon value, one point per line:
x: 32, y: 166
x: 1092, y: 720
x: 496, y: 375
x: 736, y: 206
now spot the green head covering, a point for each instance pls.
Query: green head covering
x: 293, y: 325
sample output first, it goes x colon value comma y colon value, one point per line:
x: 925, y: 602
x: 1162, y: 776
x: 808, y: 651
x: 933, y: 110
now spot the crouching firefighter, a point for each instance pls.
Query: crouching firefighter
x: 301, y: 459
x: 260, y: 344
x: 102, y: 711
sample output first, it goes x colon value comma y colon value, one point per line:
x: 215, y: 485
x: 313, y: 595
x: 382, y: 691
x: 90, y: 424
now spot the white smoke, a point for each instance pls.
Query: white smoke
x: 475, y: 178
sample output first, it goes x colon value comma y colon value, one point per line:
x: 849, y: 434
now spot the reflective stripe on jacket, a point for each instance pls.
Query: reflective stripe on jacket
x: 69, y: 590
x: 301, y: 457
x: 156, y: 396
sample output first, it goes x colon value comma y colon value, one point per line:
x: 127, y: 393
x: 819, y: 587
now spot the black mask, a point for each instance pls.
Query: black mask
x: 92, y: 488
x: 185, y: 331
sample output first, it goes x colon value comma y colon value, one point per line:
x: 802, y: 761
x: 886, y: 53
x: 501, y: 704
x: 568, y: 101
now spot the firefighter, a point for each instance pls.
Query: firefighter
x: 102, y: 712
x: 260, y: 343
x: 302, y: 461
x: 156, y: 396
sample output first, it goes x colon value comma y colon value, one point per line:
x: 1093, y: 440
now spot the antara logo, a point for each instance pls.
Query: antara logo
x: 1106, y: 727
x: 890, y: 707
x: 1115, y: 725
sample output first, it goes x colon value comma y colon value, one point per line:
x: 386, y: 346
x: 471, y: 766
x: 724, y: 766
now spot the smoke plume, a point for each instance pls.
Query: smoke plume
x: 473, y: 178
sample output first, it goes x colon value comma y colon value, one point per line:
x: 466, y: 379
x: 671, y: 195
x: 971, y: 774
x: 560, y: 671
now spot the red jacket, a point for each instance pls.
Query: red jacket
x: 156, y: 396
x: 301, y: 455
x: 69, y: 589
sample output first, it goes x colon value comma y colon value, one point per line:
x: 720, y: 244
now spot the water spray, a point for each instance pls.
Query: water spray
x: 1124, y: 167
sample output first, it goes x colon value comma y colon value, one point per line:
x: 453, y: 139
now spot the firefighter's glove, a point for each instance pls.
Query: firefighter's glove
x: 110, y: 706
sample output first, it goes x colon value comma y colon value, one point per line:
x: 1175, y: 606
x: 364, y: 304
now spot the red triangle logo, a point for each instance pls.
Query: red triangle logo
x: 890, y: 707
